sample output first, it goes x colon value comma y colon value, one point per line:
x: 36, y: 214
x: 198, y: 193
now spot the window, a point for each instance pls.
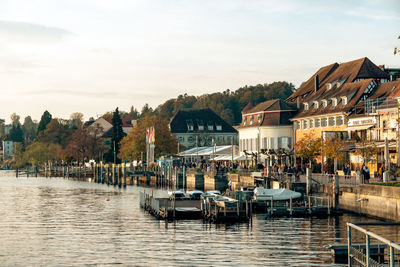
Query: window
x: 324, y: 103
x: 324, y: 122
x: 251, y: 119
x: 297, y: 125
x: 384, y: 125
x: 189, y: 124
x: 210, y: 124
x: 305, y: 124
x: 190, y: 139
x: 279, y: 142
x: 244, y: 122
x: 259, y: 117
x: 305, y: 106
x: 181, y: 139
x: 219, y: 127
x: 339, y: 120
x: 334, y: 102
x: 331, y: 121
x: 317, y: 123
x: 316, y: 105
x: 200, y: 125
x: 271, y: 143
x: 311, y: 123
x: 344, y: 101
x: 229, y: 138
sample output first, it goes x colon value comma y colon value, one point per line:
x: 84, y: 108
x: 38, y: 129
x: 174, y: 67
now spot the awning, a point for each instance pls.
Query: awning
x: 359, y: 128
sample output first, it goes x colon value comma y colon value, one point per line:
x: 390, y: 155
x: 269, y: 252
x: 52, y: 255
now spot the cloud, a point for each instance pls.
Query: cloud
x: 23, y: 32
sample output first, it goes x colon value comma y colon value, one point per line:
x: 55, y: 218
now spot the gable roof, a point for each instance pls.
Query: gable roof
x: 272, y: 105
x: 195, y: 117
x: 353, y: 91
x: 337, y: 75
x: 274, y: 112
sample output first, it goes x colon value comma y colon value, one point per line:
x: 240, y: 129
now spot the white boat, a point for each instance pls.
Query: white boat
x: 226, y: 202
x: 262, y: 194
x: 176, y: 194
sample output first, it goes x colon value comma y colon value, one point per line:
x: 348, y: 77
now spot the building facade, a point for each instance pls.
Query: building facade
x: 266, y: 130
x: 202, y: 127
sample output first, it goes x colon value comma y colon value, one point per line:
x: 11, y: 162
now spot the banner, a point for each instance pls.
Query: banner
x: 150, y: 135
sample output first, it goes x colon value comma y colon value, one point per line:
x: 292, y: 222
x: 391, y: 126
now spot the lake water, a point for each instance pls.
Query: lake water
x: 63, y: 222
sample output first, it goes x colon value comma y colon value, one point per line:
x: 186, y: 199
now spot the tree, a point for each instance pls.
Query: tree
x: 76, y: 120
x: 83, y: 144
x: 29, y: 128
x: 57, y: 132
x: 134, y: 143
x: 44, y: 120
x: 15, y: 119
x: 16, y: 134
x: 308, y: 147
x: 333, y: 150
x: 366, y: 150
x: 117, y: 135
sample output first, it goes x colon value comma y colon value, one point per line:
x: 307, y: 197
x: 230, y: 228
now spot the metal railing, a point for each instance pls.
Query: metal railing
x: 358, y: 255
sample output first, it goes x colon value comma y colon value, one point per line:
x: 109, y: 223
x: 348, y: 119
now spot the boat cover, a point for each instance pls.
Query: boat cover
x: 278, y: 194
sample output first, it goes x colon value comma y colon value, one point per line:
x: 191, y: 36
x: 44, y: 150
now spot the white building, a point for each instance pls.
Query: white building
x: 8, y: 149
x: 266, y: 133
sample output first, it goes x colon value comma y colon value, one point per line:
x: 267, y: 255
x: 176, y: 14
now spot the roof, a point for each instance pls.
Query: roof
x: 247, y: 107
x: 335, y: 73
x: 126, y: 122
x: 184, y: 118
x: 387, y: 89
x: 353, y: 91
x: 269, y: 113
x: 272, y: 105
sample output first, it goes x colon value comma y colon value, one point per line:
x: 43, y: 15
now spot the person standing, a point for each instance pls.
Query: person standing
x: 367, y: 175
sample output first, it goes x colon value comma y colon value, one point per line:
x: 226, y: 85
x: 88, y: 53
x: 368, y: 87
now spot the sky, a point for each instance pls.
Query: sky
x: 92, y: 56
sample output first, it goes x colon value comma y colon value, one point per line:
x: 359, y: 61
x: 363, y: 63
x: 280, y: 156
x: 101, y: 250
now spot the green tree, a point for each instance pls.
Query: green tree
x: 117, y: 135
x: 44, y: 120
x: 16, y: 134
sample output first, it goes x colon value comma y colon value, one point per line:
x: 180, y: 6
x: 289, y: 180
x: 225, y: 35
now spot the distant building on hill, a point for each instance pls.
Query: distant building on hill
x: 104, y: 126
x: 202, y: 127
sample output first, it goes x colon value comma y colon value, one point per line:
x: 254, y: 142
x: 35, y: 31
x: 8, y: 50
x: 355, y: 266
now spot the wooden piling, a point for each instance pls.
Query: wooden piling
x: 124, y: 172
x: 309, y: 204
x: 291, y: 206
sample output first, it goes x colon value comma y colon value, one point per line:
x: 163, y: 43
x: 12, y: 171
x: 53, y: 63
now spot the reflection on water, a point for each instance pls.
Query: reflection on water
x: 63, y: 222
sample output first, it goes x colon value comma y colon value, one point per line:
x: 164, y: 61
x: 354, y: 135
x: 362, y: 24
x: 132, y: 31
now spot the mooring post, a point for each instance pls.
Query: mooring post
x: 272, y: 205
x: 247, y: 210
x: 335, y: 192
x: 308, y: 180
x: 119, y: 175
x: 124, y: 172
x: 348, y: 245
x: 309, y: 204
x: 291, y: 206
x: 237, y: 208
x: 329, y: 204
x: 367, y: 249
x: 184, y: 178
x: 113, y: 174
x: 16, y: 173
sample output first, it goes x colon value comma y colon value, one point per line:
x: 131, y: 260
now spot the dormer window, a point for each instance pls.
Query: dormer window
x: 305, y: 106
x: 344, y: 101
x: 334, y: 102
x: 324, y: 103
x: 328, y: 86
x: 259, y: 118
x: 219, y: 127
x: 200, y: 125
x: 210, y: 124
x: 189, y: 124
x: 251, y: 120
x: 316, y: 105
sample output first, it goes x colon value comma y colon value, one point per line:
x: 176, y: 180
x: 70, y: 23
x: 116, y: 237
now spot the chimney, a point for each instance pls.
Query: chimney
x: 316, y: 83
x: 298, y: 102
